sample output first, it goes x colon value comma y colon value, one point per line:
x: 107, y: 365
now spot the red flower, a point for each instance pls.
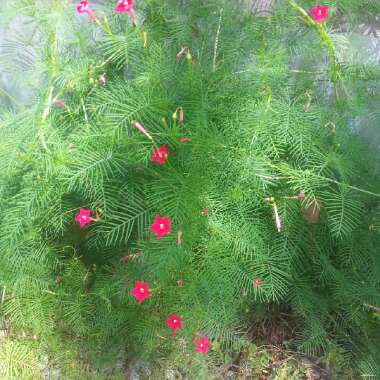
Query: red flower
x: 126, y: 6
x: 160, y: 226
x: 174, y: 322
x: 159, y: 155
x: 83, y: 217
x: 83, y: 7
x: 184, y: 139
x: 319, y: 13
x: 202, y: 345
x: 140, y: 291
x: 257, y: 282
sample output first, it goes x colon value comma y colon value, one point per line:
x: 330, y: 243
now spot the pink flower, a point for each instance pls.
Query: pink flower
x: 140, y: 291
x: 184, y: 139
x: 83, y: 217
x: 181, y: 117
x: 160, y: 226
x: 179, y: 114
x: 83, y: 7
x: 179, y: 283
x: 174, y: 322
x: 138, y: 126
x: 319, y: 13
x: 202, y: 345
x: 257, y: 282
x: 59, y: 103
x: 126, y: 6
x: 159, y: 155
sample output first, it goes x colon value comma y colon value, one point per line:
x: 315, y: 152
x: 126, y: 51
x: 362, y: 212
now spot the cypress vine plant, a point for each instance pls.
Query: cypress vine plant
x: 181, y: 167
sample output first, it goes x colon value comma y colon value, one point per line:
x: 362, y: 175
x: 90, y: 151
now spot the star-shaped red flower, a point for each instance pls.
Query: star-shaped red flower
x: 126, y: 6
x: 202, y: 345
x: 140, y: 291
x: 160, y: 226
x: 174, y: 322
x: 257, y: 282
x: 319, y: 13
x: 159, y: 155
x: 83, y: 217
x: 84, y: 7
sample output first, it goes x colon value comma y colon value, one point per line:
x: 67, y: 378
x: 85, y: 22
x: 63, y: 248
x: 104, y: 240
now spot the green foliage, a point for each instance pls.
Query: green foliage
x: 257, y: 127
x: 19, y: 361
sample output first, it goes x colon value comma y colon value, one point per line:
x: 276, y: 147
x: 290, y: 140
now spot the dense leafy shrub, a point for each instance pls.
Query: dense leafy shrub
x: 268, y: 107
